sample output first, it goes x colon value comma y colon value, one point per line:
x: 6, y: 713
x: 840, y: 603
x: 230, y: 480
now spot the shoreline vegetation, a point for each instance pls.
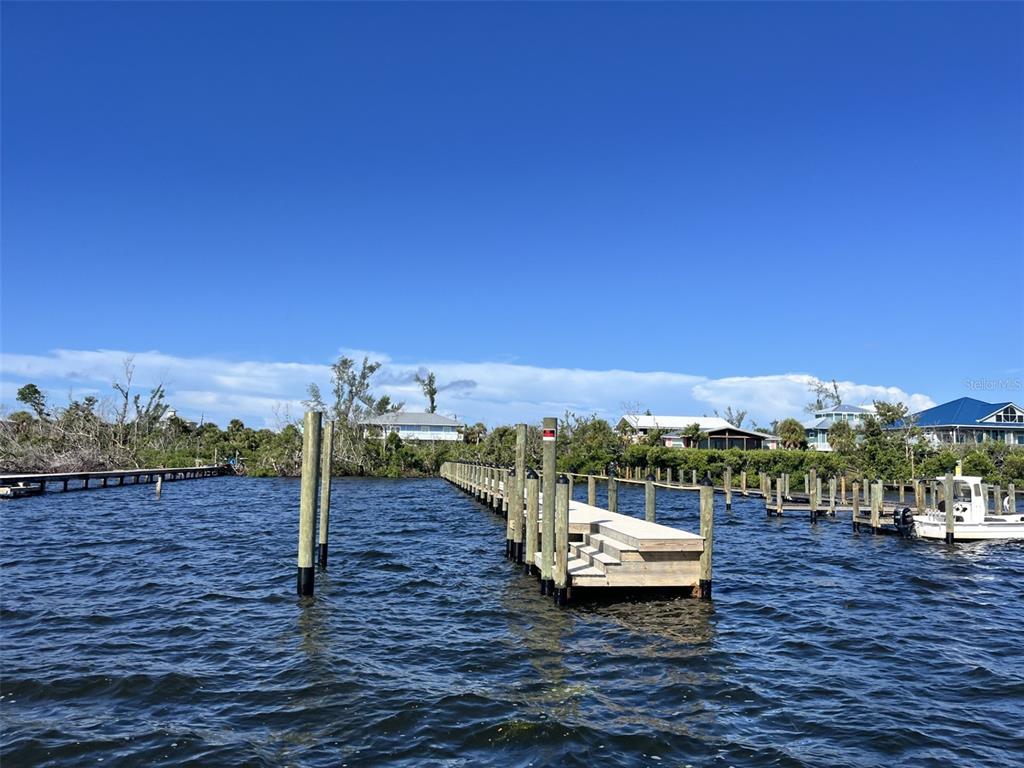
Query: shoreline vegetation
x: 136, y: 431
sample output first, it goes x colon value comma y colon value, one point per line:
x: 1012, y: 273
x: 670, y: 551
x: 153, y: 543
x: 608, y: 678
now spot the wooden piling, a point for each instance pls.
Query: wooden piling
x: 499, y: 494
x: 532, y: 521
x: 548, y: 482
x: 506, y: 490
x: 743, y: 482
x: 997, y: 499
x: 855, y: 500
x: 727, y: 487
x: 707, y: 528
x: 918, y: 497
x: 515, y: 514
x: 902, y: 492
x: 947, y: 497
x: 876, y: 507
x: 842, y: 490
x: 693, y: 477
x: 811, y: 482
x: 832, y: 497
x: 1011, y: 499
x: 510, y: 523
x: 591, y: 490
x: 613, y: 491
x: 779, y: 497
x: 159, y: 484
x: 307, y: 499
x: 668, y: 475
x: 561, y: 564
x: 326, y: 455
x: 649, y: 499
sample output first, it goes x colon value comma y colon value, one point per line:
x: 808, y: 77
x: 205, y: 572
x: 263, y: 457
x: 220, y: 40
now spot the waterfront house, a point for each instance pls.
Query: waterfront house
x: 818, y: 427
x: 413, y: 426
x: 969, y: 421
x: 717, y: 432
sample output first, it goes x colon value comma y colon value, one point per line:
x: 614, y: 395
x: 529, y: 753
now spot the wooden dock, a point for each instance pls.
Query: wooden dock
x: 13, y: 486
x: 604, y: 548
x: 607, y: 549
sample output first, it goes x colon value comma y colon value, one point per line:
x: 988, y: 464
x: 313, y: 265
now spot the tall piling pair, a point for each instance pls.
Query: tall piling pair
x: 316, y: 476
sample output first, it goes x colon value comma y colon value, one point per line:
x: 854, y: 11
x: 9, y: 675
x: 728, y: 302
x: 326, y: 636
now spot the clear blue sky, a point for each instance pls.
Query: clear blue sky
x: 717, y: 190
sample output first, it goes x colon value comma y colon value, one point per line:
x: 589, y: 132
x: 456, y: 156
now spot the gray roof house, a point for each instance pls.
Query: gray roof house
x: 413, y: 426
x: 818, y: 427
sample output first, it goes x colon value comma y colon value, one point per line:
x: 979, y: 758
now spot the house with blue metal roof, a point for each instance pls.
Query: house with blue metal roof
x: 818, y: 427
x: 968, y: 421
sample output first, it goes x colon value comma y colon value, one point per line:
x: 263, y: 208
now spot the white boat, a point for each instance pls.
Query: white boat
x: 972, y: 519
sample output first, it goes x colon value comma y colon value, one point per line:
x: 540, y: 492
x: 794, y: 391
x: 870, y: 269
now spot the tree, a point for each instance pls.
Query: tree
x: 474, y: 434
x: 792, y: 434
x: 354, y: 400
x: 901, y: 427
x: 694, y: 435
x: 429, y: 385
x: 733, y: 417
x: 124, y: 389
x: 842, y: 438
x: 34, y: 398
x: 588, y: 444
x: 826, y: 395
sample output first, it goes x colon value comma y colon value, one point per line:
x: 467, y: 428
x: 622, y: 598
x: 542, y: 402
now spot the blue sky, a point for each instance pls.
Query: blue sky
x: 684, y: 206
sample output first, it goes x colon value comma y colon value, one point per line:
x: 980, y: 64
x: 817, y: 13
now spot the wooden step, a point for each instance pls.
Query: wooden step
x: 612, y: 546
x: 581, y: 573
x: 594, y: 557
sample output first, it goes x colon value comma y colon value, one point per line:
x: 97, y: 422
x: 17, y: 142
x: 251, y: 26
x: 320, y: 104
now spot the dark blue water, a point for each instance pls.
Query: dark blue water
x: 140, y: 632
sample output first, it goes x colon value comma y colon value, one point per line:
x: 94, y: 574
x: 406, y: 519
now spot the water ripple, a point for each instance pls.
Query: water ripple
x: 139, y: 631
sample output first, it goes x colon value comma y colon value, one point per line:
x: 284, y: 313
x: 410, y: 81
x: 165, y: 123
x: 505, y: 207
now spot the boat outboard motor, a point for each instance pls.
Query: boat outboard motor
x: 904, y: 521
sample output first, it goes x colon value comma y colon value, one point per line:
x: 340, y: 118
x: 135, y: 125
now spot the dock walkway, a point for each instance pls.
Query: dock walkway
x: 13, y: 486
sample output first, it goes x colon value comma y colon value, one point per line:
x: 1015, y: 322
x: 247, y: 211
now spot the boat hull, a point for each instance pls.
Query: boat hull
x: 930, y: 529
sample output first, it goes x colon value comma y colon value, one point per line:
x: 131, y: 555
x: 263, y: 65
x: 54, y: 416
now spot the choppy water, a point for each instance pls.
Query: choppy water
x: 146, y: 632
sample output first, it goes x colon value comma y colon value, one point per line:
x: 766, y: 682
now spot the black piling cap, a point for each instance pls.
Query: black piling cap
x: 531, y: 474
x: 563, y: 480
x: 650, y: 477
x: 706, y: 480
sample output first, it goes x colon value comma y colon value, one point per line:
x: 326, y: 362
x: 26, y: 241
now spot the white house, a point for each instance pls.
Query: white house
x: 413, y: 426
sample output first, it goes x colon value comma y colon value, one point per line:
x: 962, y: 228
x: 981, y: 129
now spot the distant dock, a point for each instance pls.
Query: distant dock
x: 18, y: 485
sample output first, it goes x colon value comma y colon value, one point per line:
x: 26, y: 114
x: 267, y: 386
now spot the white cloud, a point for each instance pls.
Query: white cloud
x: 494, y: 392
x: 786, y: 394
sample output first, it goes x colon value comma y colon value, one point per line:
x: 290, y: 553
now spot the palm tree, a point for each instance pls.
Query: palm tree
x: 694, y: 435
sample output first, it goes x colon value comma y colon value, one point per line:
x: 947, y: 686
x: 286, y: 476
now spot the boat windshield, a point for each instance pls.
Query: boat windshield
x: 962, y: 491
